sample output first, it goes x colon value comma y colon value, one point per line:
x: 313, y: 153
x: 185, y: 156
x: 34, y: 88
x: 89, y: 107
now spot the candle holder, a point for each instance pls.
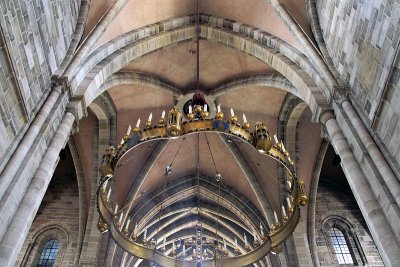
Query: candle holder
x: 219, y: 116
x: 204, y: 114
x: 135, y: 130
x: 161, y: 122
x: 190, y: 116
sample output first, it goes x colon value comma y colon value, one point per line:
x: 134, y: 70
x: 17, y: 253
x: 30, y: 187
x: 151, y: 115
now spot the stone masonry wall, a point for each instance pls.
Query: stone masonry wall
x: 60, y: 206
x: 362, y: 37
x: 37, y: 34
x: 332, y: 201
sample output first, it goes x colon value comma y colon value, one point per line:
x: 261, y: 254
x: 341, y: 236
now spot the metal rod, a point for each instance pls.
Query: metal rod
x: 198, y: 48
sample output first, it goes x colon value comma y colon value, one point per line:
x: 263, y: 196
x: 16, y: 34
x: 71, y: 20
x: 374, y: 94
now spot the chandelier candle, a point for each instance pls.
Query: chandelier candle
x: 120, y: 218
x: 127, y: 225
x: 108, y: 194
x: 276, y: 139
x: 288, y: 203
x: 283, y: 211
x: 289, y: 184
x: 276, y: 218
x: 135, y: 230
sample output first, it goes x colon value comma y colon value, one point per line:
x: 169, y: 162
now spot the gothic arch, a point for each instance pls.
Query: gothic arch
x: 83, y: 209
x: 313, y: 201
x: 343, y: 224
x: 104, y: 110
x: 39, y: 240
x: 106, y: 65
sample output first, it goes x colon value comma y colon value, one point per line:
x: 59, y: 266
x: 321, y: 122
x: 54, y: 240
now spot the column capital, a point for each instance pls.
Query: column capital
x: 77, y: 108
x: 325, y: 116
x: 341, y: 93
x: 60, y: 84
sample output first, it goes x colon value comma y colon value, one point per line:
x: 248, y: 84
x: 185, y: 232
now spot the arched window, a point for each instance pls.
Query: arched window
x: 49, y: 253
x: 343, y: 242
x: 47, y: 247
x: 340, y: 247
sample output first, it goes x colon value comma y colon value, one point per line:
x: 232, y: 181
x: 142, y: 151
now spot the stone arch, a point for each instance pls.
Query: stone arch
x: 105, y: 112
x: 133, y: 78
x: 307, y: 43
x: 313, y: 201
x: 87, y: 81
x: 78, y: 33
x: 344, y: 225
x: 39, y: 240
x: 319, y: 38
x: 268, y: 80
x: 83, y: 209
x: 289, y: 116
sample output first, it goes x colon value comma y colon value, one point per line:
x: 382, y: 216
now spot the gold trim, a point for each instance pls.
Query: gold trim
x: 176, y: 129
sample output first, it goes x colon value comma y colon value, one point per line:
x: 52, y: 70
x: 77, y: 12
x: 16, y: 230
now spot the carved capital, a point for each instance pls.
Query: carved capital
x: 60, y: 84
x: 78, y: 109
x: 341, y: 93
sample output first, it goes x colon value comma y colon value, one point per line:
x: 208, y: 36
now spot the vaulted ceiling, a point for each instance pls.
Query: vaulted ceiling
x: 244, y: 170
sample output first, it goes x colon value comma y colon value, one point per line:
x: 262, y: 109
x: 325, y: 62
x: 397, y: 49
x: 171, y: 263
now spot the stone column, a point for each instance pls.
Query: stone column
x: 14, y: 163
x: 383, y: 167
x: 373, y: 215
x: 14, y: 179
x: 20, y: 224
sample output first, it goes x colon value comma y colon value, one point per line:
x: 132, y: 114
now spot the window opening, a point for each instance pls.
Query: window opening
x: 340, y: 247
x: 49, y: 253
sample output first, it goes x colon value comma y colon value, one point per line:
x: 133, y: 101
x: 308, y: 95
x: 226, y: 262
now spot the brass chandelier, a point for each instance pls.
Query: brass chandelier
x: 194, y: 118
x: 176, y: 125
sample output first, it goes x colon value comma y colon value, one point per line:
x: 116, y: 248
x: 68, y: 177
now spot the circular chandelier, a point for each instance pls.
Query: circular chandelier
x: 199, y: 249
x: 174, y: 125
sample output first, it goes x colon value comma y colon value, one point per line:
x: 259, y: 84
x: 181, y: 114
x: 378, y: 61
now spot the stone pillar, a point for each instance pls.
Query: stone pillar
x: 373, y: 215
x: 13, y: 179
x: 17, y: 230
x: 383, y: 167
x: 23, y: 148
x: 382, y: 180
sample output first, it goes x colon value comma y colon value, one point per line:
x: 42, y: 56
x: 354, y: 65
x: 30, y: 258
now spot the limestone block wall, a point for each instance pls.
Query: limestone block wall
x: 337, y: 202
x: 362, y: 38
x: 37, y: 35
x: 12, y: 112
x: 60, y: 206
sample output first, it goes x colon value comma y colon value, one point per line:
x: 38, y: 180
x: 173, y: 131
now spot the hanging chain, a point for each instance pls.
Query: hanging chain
x: 168, y: 170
